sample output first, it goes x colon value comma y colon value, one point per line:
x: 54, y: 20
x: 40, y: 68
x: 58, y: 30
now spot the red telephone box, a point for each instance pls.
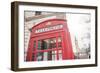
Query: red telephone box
x: 50, y: 40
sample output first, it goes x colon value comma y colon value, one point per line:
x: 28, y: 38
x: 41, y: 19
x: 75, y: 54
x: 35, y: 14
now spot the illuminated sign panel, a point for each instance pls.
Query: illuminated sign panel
x: 49, y: 28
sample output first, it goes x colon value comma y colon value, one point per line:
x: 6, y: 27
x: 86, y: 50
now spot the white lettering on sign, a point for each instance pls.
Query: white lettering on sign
x: 49, y: 28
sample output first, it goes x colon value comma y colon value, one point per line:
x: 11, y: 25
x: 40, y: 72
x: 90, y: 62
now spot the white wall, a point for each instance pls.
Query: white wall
x: 5, y: 32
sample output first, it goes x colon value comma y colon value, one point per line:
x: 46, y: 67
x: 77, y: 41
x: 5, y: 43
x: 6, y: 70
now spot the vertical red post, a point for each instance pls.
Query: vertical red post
x: 35, y: 53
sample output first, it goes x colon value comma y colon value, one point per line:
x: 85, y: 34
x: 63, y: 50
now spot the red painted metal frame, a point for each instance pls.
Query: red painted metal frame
x: 67, y: 52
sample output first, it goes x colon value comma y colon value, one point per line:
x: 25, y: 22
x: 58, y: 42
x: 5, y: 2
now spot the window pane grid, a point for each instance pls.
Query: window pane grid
x: 47, y: 49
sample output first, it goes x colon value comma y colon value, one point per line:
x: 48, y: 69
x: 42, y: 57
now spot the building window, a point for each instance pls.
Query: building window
x: 37, y: 13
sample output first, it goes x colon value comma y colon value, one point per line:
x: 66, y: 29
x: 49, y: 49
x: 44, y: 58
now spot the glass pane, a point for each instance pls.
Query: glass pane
x: 40, y: 56
x: 50, y: 55
x: 60, y: 54
x: 39, y: 44
x: 34, y: 44
x: 54, y: 57
x: 53, y: 43
x: 47, y: 44
x: 33, y: 57
x: 43, y: 44
x: 59, y: 42
x: 45, y: 56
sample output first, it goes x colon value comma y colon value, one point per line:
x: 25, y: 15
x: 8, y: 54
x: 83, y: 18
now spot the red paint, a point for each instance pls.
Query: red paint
x: 67, y: 51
